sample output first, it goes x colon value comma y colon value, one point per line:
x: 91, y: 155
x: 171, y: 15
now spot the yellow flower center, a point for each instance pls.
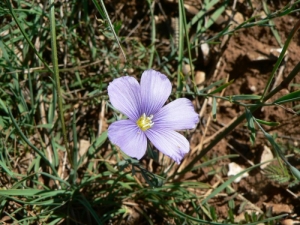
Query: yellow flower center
x: 145, y: 122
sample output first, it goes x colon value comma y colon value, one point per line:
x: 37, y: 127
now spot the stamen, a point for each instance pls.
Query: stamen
x: 144, y: 122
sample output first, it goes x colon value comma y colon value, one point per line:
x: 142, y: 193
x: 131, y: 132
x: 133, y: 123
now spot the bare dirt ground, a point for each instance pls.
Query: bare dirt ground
x: 250, y: 77
x: 248, y: 56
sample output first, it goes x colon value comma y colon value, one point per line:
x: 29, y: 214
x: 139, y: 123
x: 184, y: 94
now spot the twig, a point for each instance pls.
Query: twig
x: 101, y: 117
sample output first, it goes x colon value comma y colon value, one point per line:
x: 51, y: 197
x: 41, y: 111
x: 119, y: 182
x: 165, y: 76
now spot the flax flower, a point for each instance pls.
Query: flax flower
x: 143, y: 104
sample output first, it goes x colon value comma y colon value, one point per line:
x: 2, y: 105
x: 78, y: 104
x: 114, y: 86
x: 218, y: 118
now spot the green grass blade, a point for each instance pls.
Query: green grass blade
x: 74, y: 153
x: 245, y: 97
x: 272, y: 24
x: 105, y: 15
x: 57, y: 78
x: 294, y: 96
x: 214, y: 109
x: 153, y: 33
x: 180, y: 50
x: 186, y: 33
x: 251, y: 126
x: 89, y: 208
x: 202, y: 12
x: 268, y: 123
x: 281, y: 56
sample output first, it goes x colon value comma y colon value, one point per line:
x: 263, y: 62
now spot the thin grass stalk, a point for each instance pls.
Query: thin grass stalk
x: 153, y: 33
x: 180, y: 52
x: 112, y: 29
x: 186, y: 31
x: 56, y: 78
x: 281, y: 56
x: 272, y: 24
x: 73, y: 174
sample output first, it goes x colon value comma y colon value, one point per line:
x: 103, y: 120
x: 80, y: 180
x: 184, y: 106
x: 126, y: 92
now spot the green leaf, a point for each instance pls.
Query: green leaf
x: 89, y: 208
x: 295, y: 171
x: 117, y: 26
x: 251, y: 126
x: 4, y: 167
x: 219, y: 89
x: 201, y: 13
x: 73, y: 174
x: 271, y: 124
x: 211, y: 86
x: 34, y: 192
x: 100, y: 140
x: 102, y: 10
x: 47, y: 126
x: 213, y: 18
x: 288, y: 98
x: 214, y: 109
x: 244, y: 97
x: 272, y: 24
x: 3, y: 106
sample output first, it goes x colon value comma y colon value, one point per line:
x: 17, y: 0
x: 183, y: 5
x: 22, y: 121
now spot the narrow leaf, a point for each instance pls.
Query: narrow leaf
x: 211, y: 86
x: 289, y: 97
x: 251, y: 126
x: 219, y: 89
x: 295, y: 171
x: 214, y: 109
x: 271, y: 124
x: 245, y: 97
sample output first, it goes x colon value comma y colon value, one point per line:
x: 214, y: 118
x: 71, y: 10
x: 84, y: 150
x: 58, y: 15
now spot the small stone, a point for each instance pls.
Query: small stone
x: 278, y: 208
x: 199, y: 77
x: 83, y: 147
x: 290, y: 222
x: 234, y: 169
x: 205, y: 49
x: 253, y: 88
x: 186, y: 69
x: 266, y: 156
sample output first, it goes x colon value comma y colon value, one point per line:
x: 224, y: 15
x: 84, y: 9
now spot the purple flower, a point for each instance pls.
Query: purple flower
x: 148, y: 118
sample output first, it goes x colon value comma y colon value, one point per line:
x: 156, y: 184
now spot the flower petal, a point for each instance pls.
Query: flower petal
x: 169, y: 142
x: 130, y: 139
x: 177, y: 115
x: 155, y: 90
x: 125, y: 95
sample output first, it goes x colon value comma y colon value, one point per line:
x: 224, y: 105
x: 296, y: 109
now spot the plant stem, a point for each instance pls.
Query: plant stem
x: 56, y: 78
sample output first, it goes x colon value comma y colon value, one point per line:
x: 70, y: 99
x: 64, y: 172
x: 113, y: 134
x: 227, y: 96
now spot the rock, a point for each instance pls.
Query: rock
x: 235, y: 169
x: 266, y: 156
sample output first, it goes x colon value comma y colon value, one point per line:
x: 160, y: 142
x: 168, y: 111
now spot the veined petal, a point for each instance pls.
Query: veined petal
x: 130, y: 139
x: 177, y: 115
x: 169, y: 142
x: 155, y: 90
x: 125, y: 95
